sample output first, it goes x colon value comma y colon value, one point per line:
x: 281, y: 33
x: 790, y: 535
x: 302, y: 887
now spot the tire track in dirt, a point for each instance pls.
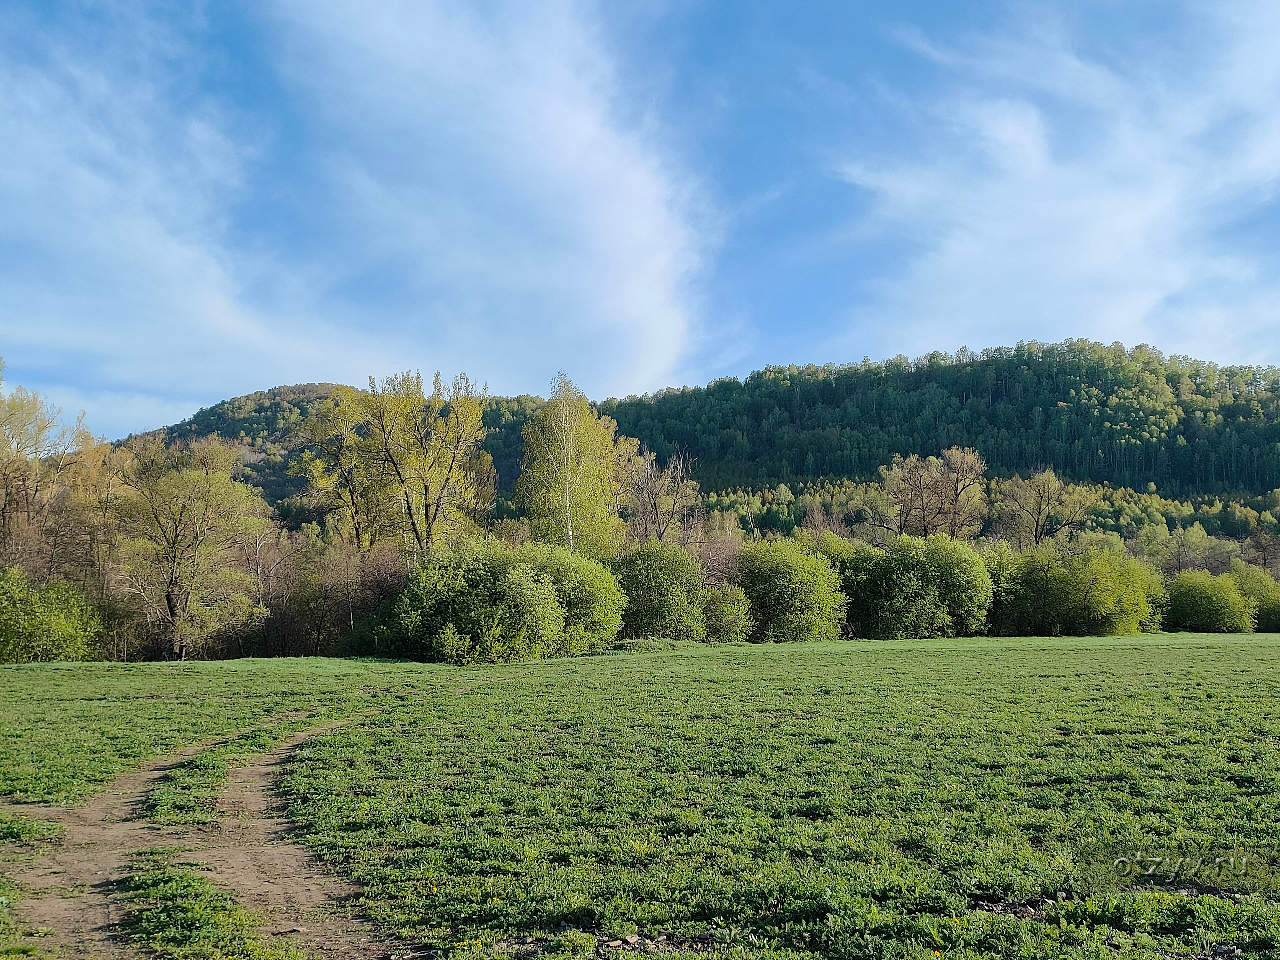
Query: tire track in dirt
x: 277, y: 878
x: 70, y: 888
x: 71, y: 897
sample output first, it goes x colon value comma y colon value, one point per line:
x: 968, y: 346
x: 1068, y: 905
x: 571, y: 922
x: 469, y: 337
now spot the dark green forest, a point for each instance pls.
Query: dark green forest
x: 1094, y: 413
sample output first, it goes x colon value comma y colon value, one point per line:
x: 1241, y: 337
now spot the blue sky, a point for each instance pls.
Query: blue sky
x: 200, y: 200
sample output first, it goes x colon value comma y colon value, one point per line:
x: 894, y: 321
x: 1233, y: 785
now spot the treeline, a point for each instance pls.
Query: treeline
x: 1208, y: 529
x: 1094, y: 413
x: 155, y: 549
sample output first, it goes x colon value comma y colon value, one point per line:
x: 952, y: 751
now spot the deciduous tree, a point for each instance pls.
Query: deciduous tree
x: 569, y: 482
x: 927, y: 495
x: 1041, y: 506
x: 184, y: 521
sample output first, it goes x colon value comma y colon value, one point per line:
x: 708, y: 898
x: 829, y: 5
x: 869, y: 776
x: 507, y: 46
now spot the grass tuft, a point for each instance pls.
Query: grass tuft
x: 179, y: 914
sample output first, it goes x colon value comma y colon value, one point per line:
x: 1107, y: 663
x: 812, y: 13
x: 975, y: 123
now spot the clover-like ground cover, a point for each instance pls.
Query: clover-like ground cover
x: 1108, y: 797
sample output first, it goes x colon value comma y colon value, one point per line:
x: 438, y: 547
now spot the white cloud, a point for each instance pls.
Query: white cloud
x: 1057, y: 189
x: 488, y: 160
x: 462, y: 190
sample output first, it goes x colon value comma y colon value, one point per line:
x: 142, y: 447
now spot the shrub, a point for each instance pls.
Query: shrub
x: 53, y: 622
x: 794, y: 594
x: 728, y: 614
x: 473, y: 605
x: 963, y: 584
x: 860, y: 570
x: 1203, y: 603
x: 1003, y: 565
x: 663, y: 586
x: 1050, y: 591
x: 488, y: 602
x: 592, y: 598
x: 933, y: 587
x: 830, y: 545
x: 1261, y: 589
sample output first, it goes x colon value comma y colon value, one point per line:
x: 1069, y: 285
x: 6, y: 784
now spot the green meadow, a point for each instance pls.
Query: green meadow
x: 1025, y: 797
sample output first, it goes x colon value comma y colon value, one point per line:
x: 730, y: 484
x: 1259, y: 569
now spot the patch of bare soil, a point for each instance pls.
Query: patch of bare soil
x: 251, y: 853
x: 70, y: 897
x: 70, y: 889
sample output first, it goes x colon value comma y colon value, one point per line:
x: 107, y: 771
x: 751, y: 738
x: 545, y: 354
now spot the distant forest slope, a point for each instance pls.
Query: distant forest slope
x: 1093, y: 412
x: 267, y: 426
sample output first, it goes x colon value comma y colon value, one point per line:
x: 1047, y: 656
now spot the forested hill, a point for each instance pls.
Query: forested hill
x: 1093, y: 412
x: 267, y: 427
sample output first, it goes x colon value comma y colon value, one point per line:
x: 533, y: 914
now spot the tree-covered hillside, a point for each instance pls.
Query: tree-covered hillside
x: 266, y: 426
x: 1095, y: 413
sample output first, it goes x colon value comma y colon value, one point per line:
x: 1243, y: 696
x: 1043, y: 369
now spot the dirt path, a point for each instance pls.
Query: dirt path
x: 71, y: 896
x: 276, y: 878
x: 70, y: 888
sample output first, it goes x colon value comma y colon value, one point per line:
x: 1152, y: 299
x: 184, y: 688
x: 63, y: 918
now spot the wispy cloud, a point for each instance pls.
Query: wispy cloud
x: 1061, y: 183
x: 460, y: 187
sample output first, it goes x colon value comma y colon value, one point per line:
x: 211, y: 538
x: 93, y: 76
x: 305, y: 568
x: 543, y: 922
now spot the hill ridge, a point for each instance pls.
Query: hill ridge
x: 1095, y: 412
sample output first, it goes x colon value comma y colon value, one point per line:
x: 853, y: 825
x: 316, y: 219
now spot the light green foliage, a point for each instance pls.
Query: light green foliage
x: 1051, y: 591
x: 346, y: 476
x: 728, y: 614
x: 1041, y: 507
x: 1201, y: 602
x: 427, y: 450
x: 803, y: 801
x: 1184, y: 548
x: 963, y: 584
x: 182, y: 516
x: 930, y: 587
x: 569, y: 478
x: 54, y: 622
x: 1260, y: 589
x: 830, y: 545
x: 794, y: 594
x: 489, y: 602
x: 590, y: 594
x: 471, y: 604
x: 182, y: 915
x: 663, y: 584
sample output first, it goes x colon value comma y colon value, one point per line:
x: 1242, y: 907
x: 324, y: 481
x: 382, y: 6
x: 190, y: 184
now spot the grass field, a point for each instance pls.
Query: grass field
x: 66, y: 729
x: 1114, y: 797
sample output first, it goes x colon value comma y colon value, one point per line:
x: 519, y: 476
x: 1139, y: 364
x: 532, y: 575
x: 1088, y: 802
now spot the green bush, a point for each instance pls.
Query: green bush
x: 487, y: 602
x: 1003, y: 565
x: 663, y: 586
x: 592, y: 598
x: 1203, y: 603
x: 830, y: 545
x: 1262, y: 590
x: 728, y: 614
x: 933, y: 587
x: 794, y: 594
x: 963, y: 584
x: 53, y: 622
x: 1051, y: 591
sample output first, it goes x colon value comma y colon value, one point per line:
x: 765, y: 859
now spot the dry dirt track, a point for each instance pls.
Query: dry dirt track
x: 70, y: 889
